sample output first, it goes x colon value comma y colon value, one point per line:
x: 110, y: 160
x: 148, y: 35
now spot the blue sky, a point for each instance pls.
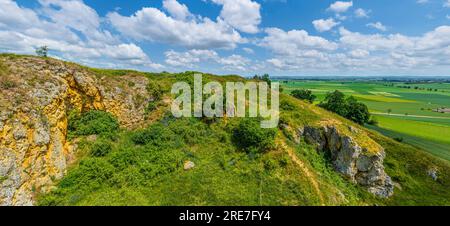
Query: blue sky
x: 246, y: 37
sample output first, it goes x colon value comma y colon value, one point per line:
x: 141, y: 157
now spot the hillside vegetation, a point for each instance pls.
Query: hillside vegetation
x: 161, y: 160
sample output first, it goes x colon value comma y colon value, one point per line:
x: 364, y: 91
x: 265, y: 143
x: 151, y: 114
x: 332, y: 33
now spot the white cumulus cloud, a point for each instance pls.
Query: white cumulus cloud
x: 71, y: 29
x: 243, y: 15
x: 324, y: 25
x: 177, y: 10
x: 150, y: 24
x: 362, y: 13
x: 377, y: 25
x: 340, y: 6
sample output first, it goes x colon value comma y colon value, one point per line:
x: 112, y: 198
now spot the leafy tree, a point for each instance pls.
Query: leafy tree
x: 303, y: 94
x: 42, y: 51
x: 335, y: 102
x: 348, y: 108
x: 249, y: 136
x: 264, y: 78
x: 357, y: 111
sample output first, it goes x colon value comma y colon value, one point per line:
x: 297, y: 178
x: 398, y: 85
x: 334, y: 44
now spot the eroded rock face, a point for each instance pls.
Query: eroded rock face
x: 33, y: 119
x: 352, y: 160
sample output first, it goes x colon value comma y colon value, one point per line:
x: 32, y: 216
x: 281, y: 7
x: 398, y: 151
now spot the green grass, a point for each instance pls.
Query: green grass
x: 426, y: 130
x: 439, y: 149
x: 148, y: 170
x: 408, y: 167
x: 145, y: 167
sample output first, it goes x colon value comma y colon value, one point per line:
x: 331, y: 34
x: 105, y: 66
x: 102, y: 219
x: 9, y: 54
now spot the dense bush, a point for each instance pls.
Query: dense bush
x: 100, y: 149
x: 92, y: 123
x: 249, y: 136
x: 155, y: 90
x: 303, y: 94
x: 91, y: 172
x: 157, y: 135
x: 348, y: 107
x: 373, y: 121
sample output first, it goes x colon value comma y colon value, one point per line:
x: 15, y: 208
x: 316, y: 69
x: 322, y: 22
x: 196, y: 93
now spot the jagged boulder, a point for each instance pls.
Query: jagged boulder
x: 354, y: 161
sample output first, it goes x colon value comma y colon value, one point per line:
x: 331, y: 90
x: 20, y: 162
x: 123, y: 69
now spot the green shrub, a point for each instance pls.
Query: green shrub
x: 152, y: 105
x: 7, y: 84
x: 91, y: 173
x: 249, y: 136
x: 304, y: 94
x: 155, y: 90
x: 373, y: 122
x: 287, y: 106
x: 157, y: 135
x: 124, y: 158
x: 100, y: 149
x: 92, y: 123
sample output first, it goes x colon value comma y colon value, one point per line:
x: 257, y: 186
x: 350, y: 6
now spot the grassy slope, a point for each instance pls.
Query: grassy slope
x: 408, y: 166
x: 152, y: 174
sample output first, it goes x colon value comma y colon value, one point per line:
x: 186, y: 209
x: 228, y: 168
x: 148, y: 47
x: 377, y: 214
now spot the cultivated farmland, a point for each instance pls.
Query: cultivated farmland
x: 404, y: 111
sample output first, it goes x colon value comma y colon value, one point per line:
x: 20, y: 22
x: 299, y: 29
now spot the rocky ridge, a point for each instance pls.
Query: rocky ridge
x: 360, y: 163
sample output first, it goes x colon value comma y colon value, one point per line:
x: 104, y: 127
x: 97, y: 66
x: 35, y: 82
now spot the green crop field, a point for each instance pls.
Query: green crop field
x: 403, y: 110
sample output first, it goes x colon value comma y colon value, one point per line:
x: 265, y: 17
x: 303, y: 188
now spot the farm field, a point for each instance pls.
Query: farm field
x: 402, y: 113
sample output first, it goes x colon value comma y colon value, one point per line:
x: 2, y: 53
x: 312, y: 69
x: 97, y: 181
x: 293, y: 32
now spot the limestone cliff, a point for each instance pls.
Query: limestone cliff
x: 35, y: 98
x: 360, y: 161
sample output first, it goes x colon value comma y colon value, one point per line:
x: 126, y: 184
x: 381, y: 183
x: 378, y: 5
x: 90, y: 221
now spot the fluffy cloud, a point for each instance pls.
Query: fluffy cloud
x: 354, y: 52
x: 340, y: 6
x: 377, y: 25
x: 374, y: 42
x: 71, y: 29
x: 177, y: 10
x: 294, y: 42
x: 190, y: 59
x: 243, y: 15
x: 324, y: 25
x: 150, y: 24
x: 362, y: 13
x: 248, y: 50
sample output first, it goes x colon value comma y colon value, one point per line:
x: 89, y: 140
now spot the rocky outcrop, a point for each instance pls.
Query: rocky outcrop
x: 358, y: 162
x: 34, y: 150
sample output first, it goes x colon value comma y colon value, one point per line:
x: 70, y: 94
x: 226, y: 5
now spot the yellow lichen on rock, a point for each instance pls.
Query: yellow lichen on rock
x: 34, y: 151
